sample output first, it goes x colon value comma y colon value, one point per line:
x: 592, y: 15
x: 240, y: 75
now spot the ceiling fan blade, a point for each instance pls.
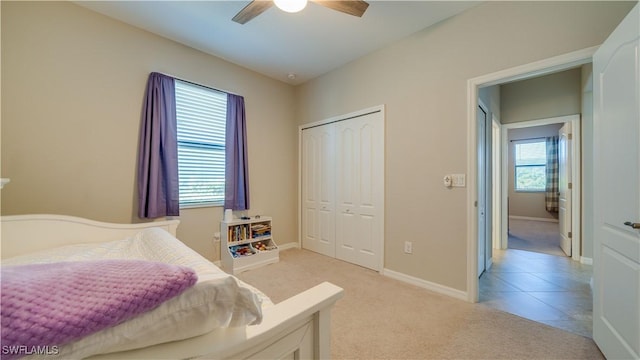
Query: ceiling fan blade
x: 351, y: 7
x: 253, y: 9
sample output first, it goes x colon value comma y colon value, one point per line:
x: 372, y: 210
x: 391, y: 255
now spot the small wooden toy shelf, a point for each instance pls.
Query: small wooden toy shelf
x: 247, y: 244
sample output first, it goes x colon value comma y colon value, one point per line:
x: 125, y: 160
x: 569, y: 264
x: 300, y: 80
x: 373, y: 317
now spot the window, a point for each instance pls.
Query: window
x: 530, y: 165
x: 201, y: 116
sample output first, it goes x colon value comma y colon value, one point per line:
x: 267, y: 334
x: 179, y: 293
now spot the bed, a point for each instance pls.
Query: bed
x: 250, y: 326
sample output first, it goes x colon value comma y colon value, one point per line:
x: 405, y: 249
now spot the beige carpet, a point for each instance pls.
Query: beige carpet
x: 536, y: 236
x: 382, y: 318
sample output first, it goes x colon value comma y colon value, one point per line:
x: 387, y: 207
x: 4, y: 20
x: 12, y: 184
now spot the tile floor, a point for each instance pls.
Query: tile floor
x: 553, y: 290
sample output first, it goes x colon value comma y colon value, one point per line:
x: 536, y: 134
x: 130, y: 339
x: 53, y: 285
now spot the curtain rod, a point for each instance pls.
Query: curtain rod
x: 196, y: 84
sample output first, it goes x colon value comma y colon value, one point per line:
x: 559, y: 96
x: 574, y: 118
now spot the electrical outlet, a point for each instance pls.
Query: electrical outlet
x: 408, y: 247
x: 216, y: 237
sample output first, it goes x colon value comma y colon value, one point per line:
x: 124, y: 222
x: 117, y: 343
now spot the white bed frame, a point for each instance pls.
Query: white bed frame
x: 297, y: 328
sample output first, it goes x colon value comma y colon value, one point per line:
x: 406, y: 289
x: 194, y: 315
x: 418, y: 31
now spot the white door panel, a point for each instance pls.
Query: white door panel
x: 348, y: 190
x: 318, y: 161
x: 616, y: 299
x: 309, y: 212
x: 564, y: 178
x: 359, y: 197
x: 366, y: 173
x: 346, y: 238
x: 482, y: 189
x: 326, y: 168
x: 616, y: 310
x: 368, y: 232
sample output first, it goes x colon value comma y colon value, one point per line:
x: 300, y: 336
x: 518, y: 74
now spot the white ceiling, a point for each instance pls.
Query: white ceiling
x: 307, y: 44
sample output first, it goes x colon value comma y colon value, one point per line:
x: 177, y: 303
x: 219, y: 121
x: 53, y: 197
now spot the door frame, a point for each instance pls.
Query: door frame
x: 488, y: 209
x: 522, y: 72
x: 496, y: 150
x: 576, y: 191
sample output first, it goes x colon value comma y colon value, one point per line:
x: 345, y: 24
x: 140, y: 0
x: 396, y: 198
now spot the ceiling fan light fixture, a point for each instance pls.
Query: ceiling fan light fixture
x: 291, y: 6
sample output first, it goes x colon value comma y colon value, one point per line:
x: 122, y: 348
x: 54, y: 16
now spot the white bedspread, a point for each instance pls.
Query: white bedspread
x: 217, y: 300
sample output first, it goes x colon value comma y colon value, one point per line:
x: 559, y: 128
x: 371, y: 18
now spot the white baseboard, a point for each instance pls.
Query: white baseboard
x: 290, y: 245
x: 458, y: 294
x: 516, y: 217
x: 586, y: 260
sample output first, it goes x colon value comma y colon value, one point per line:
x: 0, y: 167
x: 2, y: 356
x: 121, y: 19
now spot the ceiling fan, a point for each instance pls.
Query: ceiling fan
x: 257, y: 7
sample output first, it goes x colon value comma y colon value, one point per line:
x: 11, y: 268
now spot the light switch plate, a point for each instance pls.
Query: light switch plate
x: 458, y: 180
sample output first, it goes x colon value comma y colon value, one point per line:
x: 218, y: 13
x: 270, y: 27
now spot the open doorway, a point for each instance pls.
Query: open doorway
x: 543, y: 185
x: 539, y: 281
x: 525, y: 114
x: 534, y: 275
x: 533, y: 213
x: 580, y: 58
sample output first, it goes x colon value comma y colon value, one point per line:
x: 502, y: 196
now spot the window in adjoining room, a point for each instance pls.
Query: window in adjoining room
x: 201, y: 121
x: 530, y: 165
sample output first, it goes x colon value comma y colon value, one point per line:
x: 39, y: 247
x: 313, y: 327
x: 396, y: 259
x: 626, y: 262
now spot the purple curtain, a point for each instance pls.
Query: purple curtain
x: 158, y: 150
x: 236, y: 195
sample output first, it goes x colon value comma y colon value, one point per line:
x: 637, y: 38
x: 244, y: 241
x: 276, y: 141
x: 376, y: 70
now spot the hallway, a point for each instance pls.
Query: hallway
x: 549, y: 289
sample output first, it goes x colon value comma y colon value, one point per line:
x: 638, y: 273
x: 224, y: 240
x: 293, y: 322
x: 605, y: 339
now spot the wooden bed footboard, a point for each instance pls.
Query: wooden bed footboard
x: 296, y: 328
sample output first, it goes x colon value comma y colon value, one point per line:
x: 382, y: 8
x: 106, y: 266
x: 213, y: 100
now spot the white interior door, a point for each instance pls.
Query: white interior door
x: 616, y: 301
x: 318, y: 189
x: 482, y: 190
x: 360, y: 190
x: 564, y: 187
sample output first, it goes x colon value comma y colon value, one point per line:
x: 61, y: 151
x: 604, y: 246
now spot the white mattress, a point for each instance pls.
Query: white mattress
x: 217, y: 300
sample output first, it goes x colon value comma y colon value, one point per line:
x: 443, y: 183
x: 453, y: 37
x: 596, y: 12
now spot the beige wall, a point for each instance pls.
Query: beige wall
x: 72, y: 89
x: 422, y: 80
x: 543, y: 97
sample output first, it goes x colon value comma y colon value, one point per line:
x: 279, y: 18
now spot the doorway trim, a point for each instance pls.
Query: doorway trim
x: 576, y: 170
x: 496, y: 183
x: 487, y: 255
x: 522, y: 72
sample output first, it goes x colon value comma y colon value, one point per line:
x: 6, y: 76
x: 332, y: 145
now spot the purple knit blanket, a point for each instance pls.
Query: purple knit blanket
x: 46, y: 305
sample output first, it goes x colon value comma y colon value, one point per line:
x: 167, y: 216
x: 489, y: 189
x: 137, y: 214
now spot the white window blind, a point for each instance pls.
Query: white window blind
x: 530, y: 166
x: 201, y: 117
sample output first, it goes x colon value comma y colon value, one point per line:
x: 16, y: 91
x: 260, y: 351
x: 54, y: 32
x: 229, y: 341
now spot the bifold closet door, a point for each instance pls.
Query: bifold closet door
x: 318, y: 190
x: 360, y: 190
